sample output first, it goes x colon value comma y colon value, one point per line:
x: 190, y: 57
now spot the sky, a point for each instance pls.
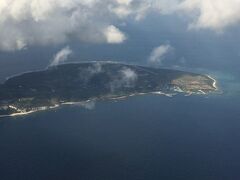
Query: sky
x: 55, y: 31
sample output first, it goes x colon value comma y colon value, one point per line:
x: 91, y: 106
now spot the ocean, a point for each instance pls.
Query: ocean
x: 142, y: 137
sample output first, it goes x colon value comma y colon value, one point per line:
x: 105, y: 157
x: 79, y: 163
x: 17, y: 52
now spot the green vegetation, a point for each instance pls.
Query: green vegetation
x: 84, y: 81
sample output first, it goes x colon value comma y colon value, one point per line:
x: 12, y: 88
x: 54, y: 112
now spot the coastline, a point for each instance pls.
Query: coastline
x: 158, y: 93
x: 30, y: 112
x: 214, y: 82
x: 79, y: 102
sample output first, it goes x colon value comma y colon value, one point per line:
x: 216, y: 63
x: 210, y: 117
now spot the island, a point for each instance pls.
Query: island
x: 91, y: 81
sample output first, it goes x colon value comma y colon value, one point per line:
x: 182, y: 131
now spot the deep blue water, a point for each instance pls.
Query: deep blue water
x: 145, y: 137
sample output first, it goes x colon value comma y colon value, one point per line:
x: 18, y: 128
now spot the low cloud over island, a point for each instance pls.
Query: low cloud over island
x: 159, y: 53
x: 61, y: 56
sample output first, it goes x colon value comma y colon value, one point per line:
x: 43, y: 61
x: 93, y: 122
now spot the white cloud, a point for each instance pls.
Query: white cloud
x: 205, y: 14
x: 24, y: 23
x: 126, y: 79
x: 159, y: 53
x: 125, y: 2
x: 89, y: 105
x: 91, y: 71
x: 61, y: 56
x: 129, y: 77
x: 213, y: 14
x: 114, y: 35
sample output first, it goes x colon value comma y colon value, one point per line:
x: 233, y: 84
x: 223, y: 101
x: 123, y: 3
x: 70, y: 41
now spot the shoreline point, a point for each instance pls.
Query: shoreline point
x: 214, y: 82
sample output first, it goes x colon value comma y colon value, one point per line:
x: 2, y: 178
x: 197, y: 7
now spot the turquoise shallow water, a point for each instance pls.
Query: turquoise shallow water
x: 143, y: 137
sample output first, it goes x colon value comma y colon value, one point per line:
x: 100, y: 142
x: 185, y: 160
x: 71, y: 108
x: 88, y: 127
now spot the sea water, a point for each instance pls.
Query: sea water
x: 142, y: 137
